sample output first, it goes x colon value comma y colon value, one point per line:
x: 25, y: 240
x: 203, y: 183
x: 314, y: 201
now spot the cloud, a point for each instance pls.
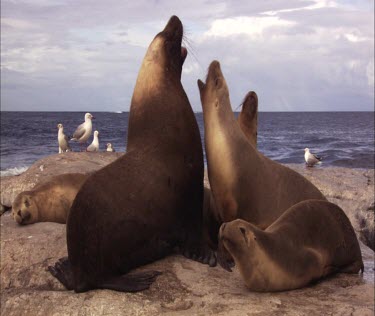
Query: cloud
x: 85, y: 55
x: 251, y: 26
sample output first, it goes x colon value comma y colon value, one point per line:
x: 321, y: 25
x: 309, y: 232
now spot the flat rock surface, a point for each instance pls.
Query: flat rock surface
x: 185, y: 287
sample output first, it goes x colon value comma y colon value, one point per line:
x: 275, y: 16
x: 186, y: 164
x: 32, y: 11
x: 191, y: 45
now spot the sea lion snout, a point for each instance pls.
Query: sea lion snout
x: 173, y: 29
x: 22, y: 217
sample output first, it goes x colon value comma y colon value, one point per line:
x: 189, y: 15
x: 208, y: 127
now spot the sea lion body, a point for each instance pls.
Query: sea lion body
x: 248, y: 117
x: 311, y: 240
x: 244, y: 183
x: 146, y: 202
x: 49, y: 201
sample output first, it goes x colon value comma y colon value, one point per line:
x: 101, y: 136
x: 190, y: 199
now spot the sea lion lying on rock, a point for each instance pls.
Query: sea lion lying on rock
x: 49, y: 201
x: 311, y: 240
x: 244, y: 183
x: 149, y: 201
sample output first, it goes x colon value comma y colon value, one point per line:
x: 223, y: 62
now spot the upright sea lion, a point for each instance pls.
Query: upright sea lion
x: 49, y: 201
x: 248, y: 117
x: 145, y: 203
x: 244, y: 183
x: 311, y: 240
x: 161, y: 116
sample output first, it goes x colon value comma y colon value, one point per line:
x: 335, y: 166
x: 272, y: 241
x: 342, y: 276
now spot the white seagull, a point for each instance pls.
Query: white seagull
x: 94, y: 146
x: 62, y: 140
x: 110, y: 147
x: 83, y: 131
x: 310, y: 158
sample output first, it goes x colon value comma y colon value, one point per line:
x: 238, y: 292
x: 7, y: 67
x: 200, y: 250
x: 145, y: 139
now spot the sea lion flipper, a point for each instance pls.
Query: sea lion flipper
x: 355, y: 267
x: 201, y: 254
x: 133, y: 282
x: 63, y: 272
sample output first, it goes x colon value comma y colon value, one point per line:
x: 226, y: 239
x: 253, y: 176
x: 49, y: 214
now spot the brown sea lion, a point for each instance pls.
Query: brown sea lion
x: 137, y: 209
x: 244, y: 183
x: 311, y: 240
x: 49, y: 201
x: 248, y: 117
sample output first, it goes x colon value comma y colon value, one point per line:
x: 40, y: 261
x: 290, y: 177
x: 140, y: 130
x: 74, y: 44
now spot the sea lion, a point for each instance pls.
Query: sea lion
x: 49, y: 201
x: 244, y: 183
x: 142, y: 205
x: 311, y: 240
x: 159, y: 93
x: 248, y: 117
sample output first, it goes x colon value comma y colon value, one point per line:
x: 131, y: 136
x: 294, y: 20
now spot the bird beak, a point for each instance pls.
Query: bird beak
x: 92, y: 117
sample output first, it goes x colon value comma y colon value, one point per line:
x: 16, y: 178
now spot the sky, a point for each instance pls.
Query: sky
x: 297, y: 55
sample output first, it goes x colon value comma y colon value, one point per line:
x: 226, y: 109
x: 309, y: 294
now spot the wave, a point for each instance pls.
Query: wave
x: 13, y: 171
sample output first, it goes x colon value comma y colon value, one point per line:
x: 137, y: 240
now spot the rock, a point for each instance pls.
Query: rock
x: 3, y: 209
x: 184, y: 288
x: 43, y: 169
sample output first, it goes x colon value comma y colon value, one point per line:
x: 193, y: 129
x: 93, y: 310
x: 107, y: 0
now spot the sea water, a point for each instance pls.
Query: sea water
x: 343, y: 139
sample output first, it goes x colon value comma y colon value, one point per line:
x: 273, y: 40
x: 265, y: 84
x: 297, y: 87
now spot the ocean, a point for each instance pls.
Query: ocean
x: 344, y: 139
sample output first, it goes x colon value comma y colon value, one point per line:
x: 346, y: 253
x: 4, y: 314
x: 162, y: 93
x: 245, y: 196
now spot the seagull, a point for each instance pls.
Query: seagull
x: 62, y: 140
x: 83, y: 131
x: 110, y: 147
x: 310, y: 158
x: 94, y: 146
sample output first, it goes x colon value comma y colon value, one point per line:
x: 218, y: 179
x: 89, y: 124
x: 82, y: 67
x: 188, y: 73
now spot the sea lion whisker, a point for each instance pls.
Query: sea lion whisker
x: 190, y: 47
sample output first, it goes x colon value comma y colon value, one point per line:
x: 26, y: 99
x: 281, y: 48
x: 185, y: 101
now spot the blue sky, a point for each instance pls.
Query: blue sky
x: 307, y: 55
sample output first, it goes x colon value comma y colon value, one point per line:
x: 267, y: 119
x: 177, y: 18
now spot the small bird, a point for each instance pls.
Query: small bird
x: 110, y: 147
x: 94, y: 146
x: 83, y: 131
x: 311, y: 159
x: 62, y: 139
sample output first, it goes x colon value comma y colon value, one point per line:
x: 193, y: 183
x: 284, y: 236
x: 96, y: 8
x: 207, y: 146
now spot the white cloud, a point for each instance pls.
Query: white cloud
x: 251, y: 26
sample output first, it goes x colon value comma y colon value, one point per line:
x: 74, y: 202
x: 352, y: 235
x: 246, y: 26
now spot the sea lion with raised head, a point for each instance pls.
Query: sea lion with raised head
x: 49, y: 201
x: 143, y: 205
x: 248, y: 117
x: 311, y: 240
x: 244, y: 183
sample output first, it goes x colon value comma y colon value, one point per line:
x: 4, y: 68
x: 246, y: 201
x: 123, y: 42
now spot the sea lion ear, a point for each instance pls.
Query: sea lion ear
x: 201, y: 85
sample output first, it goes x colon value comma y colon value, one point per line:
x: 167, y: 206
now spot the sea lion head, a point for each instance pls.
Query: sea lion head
x: 249, y: 116
x: 25, y: 209
x: 214, y: 93
x: 246, y: 244
x: 165, y: 55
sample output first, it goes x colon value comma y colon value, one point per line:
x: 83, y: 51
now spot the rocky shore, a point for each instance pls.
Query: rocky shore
x: 185, y: 287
